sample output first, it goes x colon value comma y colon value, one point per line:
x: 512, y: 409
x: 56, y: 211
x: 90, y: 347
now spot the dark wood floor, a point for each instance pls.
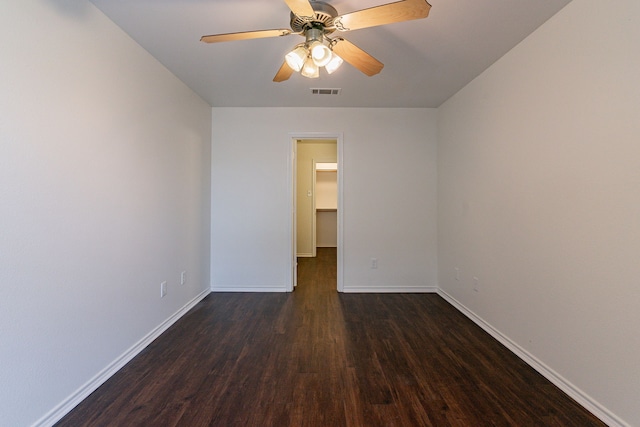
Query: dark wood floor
x: 318, y: 358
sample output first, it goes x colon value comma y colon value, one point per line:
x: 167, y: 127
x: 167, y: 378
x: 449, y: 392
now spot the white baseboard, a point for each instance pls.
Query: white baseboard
x: 249, y: 289
x: 90, y: 386
x: 389, y: 290
x: 562, y: 383
x: 347, y: 289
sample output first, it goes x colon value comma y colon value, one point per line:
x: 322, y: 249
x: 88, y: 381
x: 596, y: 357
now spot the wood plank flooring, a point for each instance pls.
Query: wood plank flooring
x: 318, y: 358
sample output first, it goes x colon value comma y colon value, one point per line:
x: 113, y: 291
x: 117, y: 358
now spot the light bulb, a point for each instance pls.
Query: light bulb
x: 334, y: 63
x: 310, y: 69
x: 320, y: 53
x: 296, y: 58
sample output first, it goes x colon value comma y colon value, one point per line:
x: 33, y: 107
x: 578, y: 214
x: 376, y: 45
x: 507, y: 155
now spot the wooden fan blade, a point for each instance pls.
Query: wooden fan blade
x: 283, y: 73
x: 301, y: 8
x: 357, y: 57
x: 404, y: 10
x: 245, y: 35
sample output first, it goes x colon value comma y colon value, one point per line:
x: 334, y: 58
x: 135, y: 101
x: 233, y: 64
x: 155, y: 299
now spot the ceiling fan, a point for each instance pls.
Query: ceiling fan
x: 316, y: 21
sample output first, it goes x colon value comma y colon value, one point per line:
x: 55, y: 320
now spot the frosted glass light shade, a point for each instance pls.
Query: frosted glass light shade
x: 310, y: 69
x: 296, y: 58
x: 334, y: 63
x: 320, y: 53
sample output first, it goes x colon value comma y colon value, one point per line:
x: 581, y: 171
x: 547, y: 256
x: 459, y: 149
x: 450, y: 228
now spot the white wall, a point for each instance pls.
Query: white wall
x: 389, y: 196
x: 326, y: 208
x: 539, y: 186
x: 327, y: 229
x: 326, y: 189
x: 104, y: 193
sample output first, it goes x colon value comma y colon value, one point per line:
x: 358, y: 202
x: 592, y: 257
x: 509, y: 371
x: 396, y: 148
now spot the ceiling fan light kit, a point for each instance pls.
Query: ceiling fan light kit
x: 307, y: 58
x: 315, y: 21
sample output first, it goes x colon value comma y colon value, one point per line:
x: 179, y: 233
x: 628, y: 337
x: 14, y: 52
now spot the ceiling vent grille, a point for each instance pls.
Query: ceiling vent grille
x: 325, y: 91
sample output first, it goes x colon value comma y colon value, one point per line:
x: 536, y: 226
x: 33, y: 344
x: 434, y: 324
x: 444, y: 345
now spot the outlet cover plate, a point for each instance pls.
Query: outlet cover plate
x: 163, y: 289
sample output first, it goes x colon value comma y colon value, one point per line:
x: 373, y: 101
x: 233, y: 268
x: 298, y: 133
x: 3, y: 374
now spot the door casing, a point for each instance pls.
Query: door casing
x: 291, y: 182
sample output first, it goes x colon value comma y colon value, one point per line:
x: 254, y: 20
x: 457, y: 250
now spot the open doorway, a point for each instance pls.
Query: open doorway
x: 317, y: 199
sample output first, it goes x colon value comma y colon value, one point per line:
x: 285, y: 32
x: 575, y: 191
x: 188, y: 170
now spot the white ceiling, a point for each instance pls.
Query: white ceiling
x: 426, y: 61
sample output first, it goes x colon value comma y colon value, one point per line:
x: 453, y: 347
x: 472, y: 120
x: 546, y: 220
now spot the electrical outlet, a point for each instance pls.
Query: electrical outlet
x: 163, y: 289
x: 183, y: 277
x: 476, y: 284
x: 374, y: 263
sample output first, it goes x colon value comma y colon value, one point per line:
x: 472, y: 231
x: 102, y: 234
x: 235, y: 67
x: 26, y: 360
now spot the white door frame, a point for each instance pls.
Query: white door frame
x: 291, y: 178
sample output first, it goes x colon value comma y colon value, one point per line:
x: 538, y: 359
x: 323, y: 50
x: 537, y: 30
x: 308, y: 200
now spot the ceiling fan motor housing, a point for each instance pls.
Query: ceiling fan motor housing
x: 324, y: 15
